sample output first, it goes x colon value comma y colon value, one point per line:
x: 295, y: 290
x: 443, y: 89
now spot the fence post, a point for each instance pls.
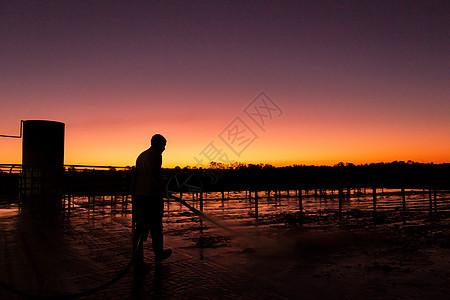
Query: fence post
x: 374, y: 194
x: 300, y: 201
x: 256, y: 204
x: 201, y: 200
x: 404, y: 200
x: 431, y: 202
x: 435, y: 201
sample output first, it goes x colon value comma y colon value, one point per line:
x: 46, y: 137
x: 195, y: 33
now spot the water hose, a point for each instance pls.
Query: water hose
x: 79, y: 294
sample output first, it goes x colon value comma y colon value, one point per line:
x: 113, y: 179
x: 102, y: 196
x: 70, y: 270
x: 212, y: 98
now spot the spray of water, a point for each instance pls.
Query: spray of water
x: 249, y: 241
x: 202, y: 215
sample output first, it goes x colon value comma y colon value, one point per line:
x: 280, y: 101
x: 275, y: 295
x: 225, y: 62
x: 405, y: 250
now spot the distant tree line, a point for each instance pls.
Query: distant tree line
x: 395, y: 174
x: 241, y: 165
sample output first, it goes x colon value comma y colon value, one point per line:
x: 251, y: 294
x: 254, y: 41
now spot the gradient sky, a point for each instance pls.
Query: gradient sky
x: 356, y: 81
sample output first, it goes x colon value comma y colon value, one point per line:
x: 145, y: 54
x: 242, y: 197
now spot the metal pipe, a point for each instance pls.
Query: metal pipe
x: 14, y: 136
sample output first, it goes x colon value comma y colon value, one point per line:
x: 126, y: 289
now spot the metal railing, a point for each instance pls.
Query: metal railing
x: 10, y: 168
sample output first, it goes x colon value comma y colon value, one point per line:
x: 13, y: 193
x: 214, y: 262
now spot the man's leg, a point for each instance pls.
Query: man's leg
x: 138, y: 249
x: 156, y: 228
x: 140, y: 232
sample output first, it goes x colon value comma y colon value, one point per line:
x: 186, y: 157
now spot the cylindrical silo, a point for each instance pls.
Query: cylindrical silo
x: 42, y: 158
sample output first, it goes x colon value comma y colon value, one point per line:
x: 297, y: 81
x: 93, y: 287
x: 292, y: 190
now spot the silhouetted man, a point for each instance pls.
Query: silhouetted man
x: 147, y: 200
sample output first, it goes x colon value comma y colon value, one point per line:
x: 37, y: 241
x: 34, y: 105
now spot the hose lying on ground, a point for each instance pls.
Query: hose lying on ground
x: 121, y: 273
x: 79, y: 294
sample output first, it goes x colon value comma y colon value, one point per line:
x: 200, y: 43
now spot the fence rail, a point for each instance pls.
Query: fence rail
x: 17, y: 168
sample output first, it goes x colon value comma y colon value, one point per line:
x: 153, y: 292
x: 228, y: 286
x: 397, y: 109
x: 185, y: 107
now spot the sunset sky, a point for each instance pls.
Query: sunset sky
x: 350, y: 81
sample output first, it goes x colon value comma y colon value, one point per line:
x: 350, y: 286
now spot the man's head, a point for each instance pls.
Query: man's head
x: 158, y: 142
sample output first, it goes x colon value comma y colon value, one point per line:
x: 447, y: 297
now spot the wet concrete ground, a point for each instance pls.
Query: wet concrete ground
x: 325, y: 257
x: 64, y: 254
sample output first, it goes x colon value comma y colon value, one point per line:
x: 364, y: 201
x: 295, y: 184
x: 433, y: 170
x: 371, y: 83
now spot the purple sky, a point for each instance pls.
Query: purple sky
x: 339, y: 70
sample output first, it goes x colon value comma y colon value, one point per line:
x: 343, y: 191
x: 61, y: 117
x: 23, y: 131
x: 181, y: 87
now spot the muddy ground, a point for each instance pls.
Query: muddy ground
x: 353, y: 256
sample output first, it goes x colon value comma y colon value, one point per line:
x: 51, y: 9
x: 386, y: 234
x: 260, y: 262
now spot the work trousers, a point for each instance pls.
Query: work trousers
x: 147, y: 216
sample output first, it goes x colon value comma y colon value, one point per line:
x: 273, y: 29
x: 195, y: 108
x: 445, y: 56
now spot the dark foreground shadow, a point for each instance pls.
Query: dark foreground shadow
x: 149, y: 282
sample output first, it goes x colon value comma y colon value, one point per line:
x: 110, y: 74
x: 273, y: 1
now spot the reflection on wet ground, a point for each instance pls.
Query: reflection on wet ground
x: 274, y: 253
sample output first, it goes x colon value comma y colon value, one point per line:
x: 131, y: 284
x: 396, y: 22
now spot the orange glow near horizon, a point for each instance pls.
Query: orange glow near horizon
x: 285, y: 143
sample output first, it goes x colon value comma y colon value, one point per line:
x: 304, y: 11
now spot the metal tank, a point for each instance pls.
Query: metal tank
x: 42, y: 159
